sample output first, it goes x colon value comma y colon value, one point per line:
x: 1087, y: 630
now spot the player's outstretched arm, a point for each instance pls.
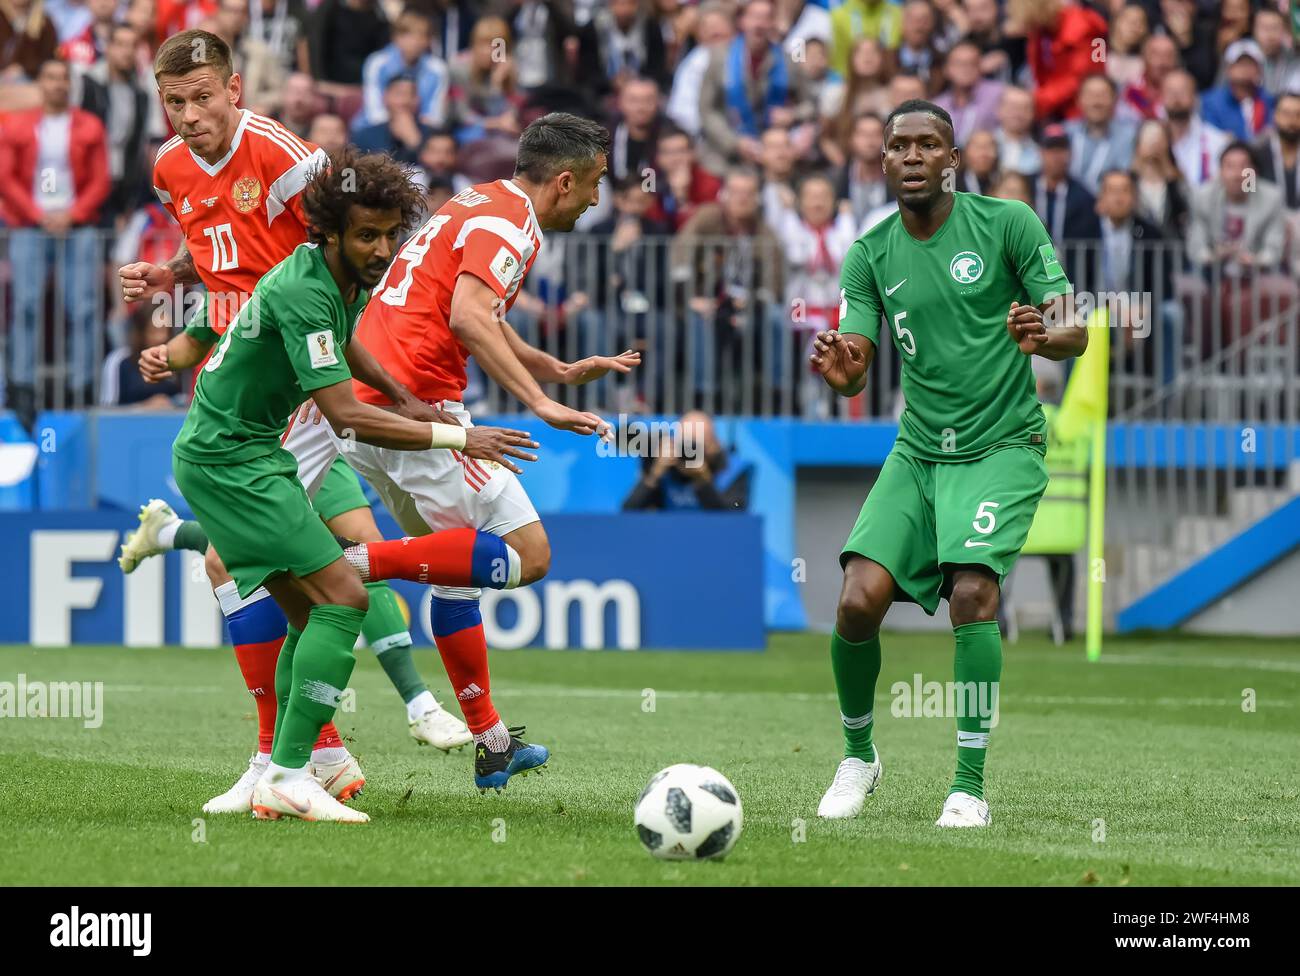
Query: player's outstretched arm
x: 183, y: 351
x: 474, y: 322
x: 1029, y: 329
x: 843, y: 359
x: 141, y: 280
x: 545, y: 368
x: 370, y: 371
x: 353, y: 419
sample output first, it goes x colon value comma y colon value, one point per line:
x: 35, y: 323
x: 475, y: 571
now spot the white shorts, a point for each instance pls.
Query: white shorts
x: 427, y: 491
x: 314, y: 447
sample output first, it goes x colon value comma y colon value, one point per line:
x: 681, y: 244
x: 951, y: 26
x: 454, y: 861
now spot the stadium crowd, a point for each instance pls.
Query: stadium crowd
x: 744, y: 160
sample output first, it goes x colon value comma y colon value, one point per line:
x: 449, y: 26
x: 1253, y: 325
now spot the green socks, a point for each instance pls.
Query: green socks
x: 320, y: 667
x: 856, y: 667
x: 386, y: 633
x: 977, y: 671
x: 284, y: 673
x: 190, y: 535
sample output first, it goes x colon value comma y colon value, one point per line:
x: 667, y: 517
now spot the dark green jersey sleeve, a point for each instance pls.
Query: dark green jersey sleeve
x: 1030, y: 250
x: 860, y: 303
x: 198, y: 329
x: 315, y: 338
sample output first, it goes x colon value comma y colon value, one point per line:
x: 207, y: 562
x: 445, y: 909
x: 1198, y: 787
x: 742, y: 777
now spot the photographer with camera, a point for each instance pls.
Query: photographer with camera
x: 692, y: 471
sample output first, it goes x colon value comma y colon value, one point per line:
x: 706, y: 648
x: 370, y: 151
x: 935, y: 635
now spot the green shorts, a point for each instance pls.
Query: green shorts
x: 340, y: 492
x: 922, y: 518
x: 257, y: 517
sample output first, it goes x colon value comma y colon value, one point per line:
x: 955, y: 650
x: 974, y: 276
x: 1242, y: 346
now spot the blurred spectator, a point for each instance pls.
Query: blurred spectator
x: 862, y: 178
x: 1237, y: 224
x: 1142, y: 98
x: 1193, y: 33
x: 1281, y: 64
x: 971, y: 99
x: 121, y: 384
x: 803, y: 24
x: 1014, y: 186
x: 1067, y: 209
x: 70, y: 17
x: 734, y: 292
x: 228, y: 22
x: 979, y: 163
x: 853, y: 20
x: 1234, y: 24
x: 438, y: 190
x: 1001, y: 57
x: 1240, y: 106
x: 329, y: 132
x: 825, y: 89
x: 402, y: 135
x: 1063, y: 41
x: 341, y: 35
x: 750, y: 85
x: 89, y: 44
x: 714, y: 27
x: 1197, y: 144
x: 632, y: 134
x: 1098, y: 140
x: 1016, y: 146
x: 1129, y: 30
x: 546, y: 42
x: 113, y: 91
x: 299, y: 104
x: 409, y: 56
x: 273, y: 47
x: 628, y: 43
x: 1277, y: 151
x: 483, y: 96
x: 692, y: 472
x: 438, y: 160
x: 920, y: 49
x: 903, y: 88
x: 866, y: 90
x: 681, y: 184
x: 27, y: 38
x: 1162, y: 193
x: 53, y: 181
x: 778, y: 161
x: 173, y: 16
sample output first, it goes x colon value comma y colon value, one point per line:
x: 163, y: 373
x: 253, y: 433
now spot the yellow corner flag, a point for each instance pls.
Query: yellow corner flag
x: 1083, y: 414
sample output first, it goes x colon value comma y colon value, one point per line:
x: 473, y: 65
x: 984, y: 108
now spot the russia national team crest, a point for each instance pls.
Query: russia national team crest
x: 247, y: 194
x: 966, y: 268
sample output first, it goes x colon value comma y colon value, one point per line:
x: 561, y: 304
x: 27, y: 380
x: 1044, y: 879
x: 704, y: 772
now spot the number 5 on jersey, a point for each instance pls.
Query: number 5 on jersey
x: 906, y: 342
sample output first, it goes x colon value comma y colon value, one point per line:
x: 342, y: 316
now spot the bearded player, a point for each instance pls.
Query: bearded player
x: 952, y: 506
x: 444, y: 299
x: 233, y: 180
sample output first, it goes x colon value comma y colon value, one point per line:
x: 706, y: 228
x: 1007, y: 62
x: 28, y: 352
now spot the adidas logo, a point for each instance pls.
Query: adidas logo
x: 469, y: 692
x: 185, y: 206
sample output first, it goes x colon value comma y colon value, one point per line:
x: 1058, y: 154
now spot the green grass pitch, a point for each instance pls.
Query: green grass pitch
x: 1153, y: 741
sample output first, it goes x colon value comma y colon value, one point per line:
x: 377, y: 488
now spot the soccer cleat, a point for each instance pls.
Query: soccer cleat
x: 492, y: 770
x: 236, y: 799
x: 439, y: 728
x: 963, y: 810
x: 143, y: 542
x: 342, y: 780
x: 303, y: 798
x: 854, y: 781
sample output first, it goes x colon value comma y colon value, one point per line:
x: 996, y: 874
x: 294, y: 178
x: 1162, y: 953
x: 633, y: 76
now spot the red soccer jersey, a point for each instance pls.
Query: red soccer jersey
x: 242, y: 215
x: 489, y: 231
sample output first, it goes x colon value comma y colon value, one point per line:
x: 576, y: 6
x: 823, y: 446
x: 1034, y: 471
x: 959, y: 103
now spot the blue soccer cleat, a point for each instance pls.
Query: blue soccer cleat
x: 492, y: 770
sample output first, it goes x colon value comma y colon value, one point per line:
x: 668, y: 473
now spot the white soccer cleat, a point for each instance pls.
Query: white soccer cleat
x: 855, y: 780
x: 143, y: 542
x: 963, y: 810
x: 238, y: 797
x: 342, y: 780
x: 303, y: 798
x: 439, y: 728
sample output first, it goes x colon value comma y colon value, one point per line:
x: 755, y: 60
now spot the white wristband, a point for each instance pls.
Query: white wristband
x: 447, y: 435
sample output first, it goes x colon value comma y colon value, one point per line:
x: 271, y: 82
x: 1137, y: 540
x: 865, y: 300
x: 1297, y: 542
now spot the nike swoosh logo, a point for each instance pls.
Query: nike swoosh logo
x: 300, y: 807
x: 972, y: 544
x: 890, y: 291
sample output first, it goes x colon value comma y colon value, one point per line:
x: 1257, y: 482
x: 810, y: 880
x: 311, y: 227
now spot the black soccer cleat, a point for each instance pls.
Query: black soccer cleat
x: 492, y: 770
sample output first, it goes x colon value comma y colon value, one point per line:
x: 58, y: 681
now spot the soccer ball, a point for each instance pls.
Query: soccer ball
x: 688, y: 812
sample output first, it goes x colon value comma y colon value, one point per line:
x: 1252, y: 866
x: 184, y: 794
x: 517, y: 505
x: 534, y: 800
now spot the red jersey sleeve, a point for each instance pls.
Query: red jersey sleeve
x: 495, y: 251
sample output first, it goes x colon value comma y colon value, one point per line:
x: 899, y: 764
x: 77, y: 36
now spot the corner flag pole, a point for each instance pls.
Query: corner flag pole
x: 1098, y: 346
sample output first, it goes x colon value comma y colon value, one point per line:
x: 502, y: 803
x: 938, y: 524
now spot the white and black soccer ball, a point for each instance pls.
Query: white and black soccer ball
x: 688, y: 812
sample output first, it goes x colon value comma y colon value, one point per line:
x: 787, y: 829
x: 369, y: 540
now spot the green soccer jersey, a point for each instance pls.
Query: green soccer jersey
x: 969, y: 390
x: 288, y: 340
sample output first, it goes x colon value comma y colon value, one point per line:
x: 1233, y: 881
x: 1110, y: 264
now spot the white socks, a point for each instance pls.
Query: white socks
x: 496, y: 738
x: 167, y: 534
x: 421, y: 703
x: 330, y: 756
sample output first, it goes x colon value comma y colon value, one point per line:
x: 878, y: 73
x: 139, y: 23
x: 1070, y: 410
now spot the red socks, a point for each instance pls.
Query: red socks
x: 452, y: 557
x: 257, y: 665
x: 464, y: 655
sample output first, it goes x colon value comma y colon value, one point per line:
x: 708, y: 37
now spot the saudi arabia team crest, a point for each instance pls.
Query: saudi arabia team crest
x: 247, y: 194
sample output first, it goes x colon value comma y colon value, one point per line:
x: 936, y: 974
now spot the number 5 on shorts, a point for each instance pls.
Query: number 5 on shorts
x: 982, y: 513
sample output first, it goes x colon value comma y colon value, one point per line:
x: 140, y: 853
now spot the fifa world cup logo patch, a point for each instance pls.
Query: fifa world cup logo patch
x: 246, y: 193
x: 324, y: 346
